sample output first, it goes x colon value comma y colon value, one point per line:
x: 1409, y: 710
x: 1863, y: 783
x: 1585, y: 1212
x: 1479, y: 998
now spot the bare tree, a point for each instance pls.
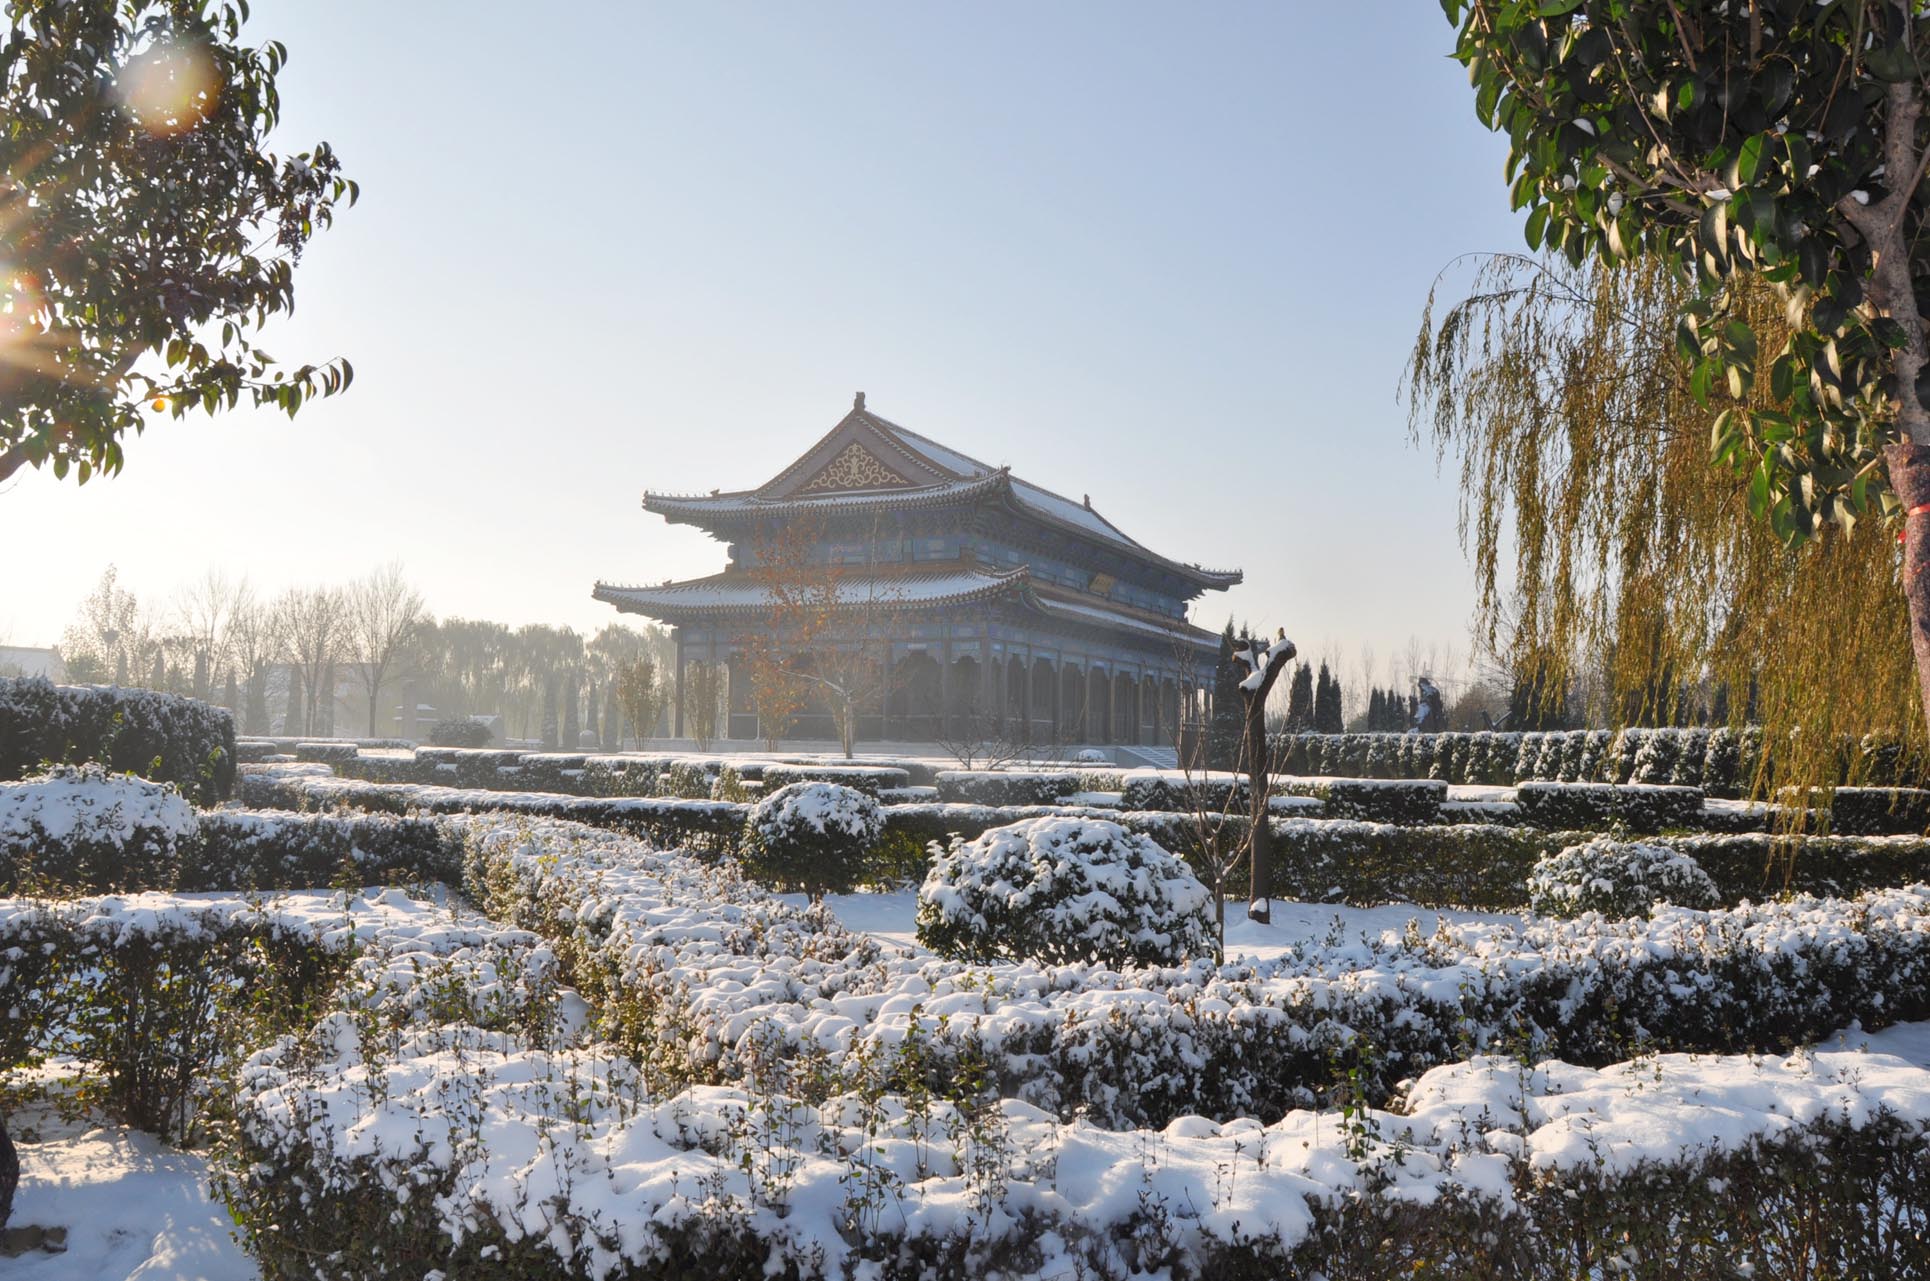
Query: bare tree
x: 251, y: 646
x: 202, y: 613
x: 109, y: 638
x: 822, y: 630
x: 383, y: 611
x: 311, y: 635
x: 1264, y: 665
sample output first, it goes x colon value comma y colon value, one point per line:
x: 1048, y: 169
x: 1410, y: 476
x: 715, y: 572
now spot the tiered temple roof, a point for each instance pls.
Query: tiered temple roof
x: 1020, y: 598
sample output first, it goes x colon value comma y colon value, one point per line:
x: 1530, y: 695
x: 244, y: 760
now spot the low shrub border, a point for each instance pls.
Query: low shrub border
x: 1145, y: 1046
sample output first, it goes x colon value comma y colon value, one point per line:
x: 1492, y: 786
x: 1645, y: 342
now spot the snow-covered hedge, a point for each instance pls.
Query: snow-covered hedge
x: 812, y: 835
x: 707, y: 979
x: 1638, y: 807
x: 82, y: 826
x: 1383, y: 800
x: 1007, y: 787
x: 1062, y: 890
x: 869, y: 779
x: 713, y: 825
x: 1873, y: 811
x: 497, y: 1162
x: 239, y: 849
x: 154, y: 994
x: 163, y: 737
x: 1617, y: 879
x: 1176, y: 792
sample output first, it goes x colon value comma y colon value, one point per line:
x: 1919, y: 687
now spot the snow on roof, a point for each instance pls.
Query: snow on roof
x: 741, y: 591
x: 1114, y: 618
x: 961, y: 476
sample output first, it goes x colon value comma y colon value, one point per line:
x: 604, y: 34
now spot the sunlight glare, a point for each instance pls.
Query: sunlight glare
x: 170, y: 87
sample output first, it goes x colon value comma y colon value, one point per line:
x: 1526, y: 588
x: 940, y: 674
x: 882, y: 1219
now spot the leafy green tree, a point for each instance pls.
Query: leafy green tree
x: 1776, y: 141
x: 146, y: 231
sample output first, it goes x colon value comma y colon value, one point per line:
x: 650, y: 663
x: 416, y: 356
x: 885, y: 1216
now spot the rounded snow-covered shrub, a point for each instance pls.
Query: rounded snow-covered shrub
x: 1063, y: 891
x: 812, y: 835
x: 80, y: 825
x: 1617, y: 879
x: 459, y: 731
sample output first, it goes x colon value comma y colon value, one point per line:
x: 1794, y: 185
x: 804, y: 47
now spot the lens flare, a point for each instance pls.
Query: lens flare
x: 170, y: 87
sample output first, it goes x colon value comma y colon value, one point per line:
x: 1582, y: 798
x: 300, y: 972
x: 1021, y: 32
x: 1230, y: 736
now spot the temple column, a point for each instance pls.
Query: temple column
x: 943, y: 721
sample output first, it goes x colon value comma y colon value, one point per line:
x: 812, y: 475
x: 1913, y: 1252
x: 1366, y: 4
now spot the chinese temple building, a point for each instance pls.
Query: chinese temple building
x: 997, y: 599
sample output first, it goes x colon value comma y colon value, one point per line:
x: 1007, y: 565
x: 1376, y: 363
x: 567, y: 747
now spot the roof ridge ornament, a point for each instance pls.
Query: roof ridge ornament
x: 857, y: 403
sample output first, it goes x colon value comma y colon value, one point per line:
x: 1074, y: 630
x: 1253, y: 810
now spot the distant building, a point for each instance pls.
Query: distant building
x: 31, y: 660
x: 1004, y: 598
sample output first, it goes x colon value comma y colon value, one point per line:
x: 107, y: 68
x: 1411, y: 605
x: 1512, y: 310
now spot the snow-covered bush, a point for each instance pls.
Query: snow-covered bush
x: 715, y: 981
x: 163, y: 737
x: 326, y: 751
x: 1655, y: 807
x: 1617, y: 879
x: 1391, y: 800
x: 869, y: 779
x: 80, y: 825
x: 1868, y: 811
x: 1007, y: 787
x: 1656, y: 758
x: 1174, y: 791
x: 459, y: 731
x: 1567, y: 807
x: 1063, y: 890
x: 699, y: 823
x: 812, y: 835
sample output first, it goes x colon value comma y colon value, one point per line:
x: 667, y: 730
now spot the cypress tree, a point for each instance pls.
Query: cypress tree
x: 1376, y: 711
x: 294, y: 725
x: 1326, y: 703
x: 612, y: 722
x: 572, y: 731
x: 549, y: 715
x: 1300, y: 700
x: 589, y: 714
x: 1223, y: 731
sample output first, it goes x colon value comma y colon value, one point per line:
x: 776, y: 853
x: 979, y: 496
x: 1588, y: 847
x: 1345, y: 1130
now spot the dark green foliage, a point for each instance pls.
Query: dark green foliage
x: 1225, y: 726
x: 1746, y: 142
x: 161, y: 737
x: 459, y: 731
x: 1326, y: 703
x: 813, y: 836
x: 1006, y: 787
x: 1300, y: 700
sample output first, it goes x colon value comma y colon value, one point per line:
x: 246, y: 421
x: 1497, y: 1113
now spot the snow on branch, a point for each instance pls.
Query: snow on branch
x: 1260, y: 661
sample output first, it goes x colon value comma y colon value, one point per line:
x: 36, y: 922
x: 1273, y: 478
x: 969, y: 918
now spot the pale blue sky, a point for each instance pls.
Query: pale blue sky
x: 1170, y: 255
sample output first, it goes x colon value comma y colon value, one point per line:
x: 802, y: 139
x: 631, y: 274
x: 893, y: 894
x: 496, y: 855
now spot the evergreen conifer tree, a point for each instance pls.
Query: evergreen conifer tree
x: 1225, y: 726
x: 572, y: 727
x: 612, y: 722
x: 549, y: 715
x: 589, y: 714
x: 1300, y: 701
x: 1326, y: 703
x: 294, y: 725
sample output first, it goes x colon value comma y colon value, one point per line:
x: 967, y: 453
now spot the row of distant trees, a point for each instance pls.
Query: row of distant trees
x: 277, y: 661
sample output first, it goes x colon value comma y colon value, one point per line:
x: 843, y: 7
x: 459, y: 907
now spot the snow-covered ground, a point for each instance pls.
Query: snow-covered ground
x: 891, y: 919
x: 133, y: 1208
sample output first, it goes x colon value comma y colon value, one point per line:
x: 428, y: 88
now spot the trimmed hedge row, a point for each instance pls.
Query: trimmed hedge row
x: 1723, y: 761
x: 1473, y: 864
x: 162, y: 737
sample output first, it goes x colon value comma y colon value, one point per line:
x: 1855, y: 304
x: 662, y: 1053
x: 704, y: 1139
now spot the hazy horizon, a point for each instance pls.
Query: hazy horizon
x: 1171, y: 259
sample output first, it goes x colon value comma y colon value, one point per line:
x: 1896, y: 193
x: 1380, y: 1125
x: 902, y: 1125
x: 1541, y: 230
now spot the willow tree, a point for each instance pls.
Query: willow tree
x: 1774, y: 145
x: 1615, y: 563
